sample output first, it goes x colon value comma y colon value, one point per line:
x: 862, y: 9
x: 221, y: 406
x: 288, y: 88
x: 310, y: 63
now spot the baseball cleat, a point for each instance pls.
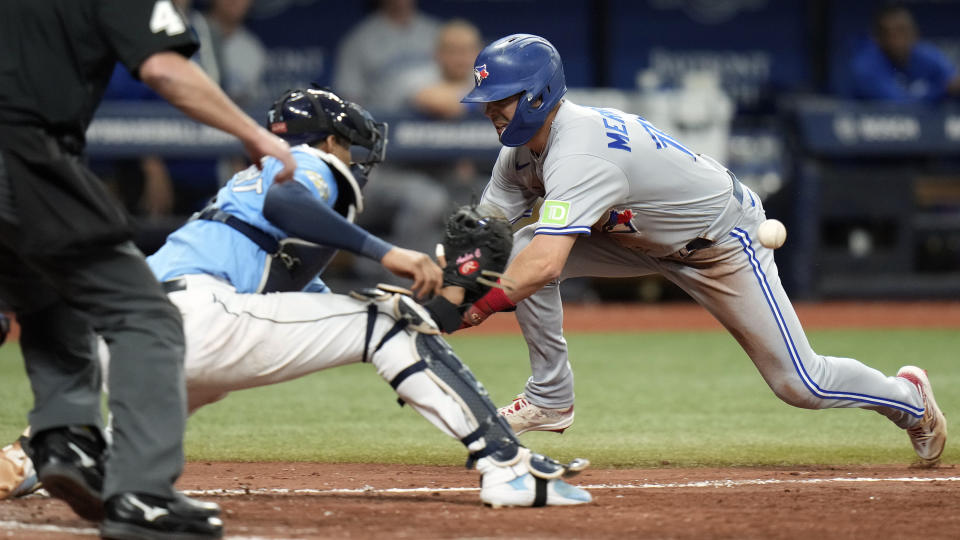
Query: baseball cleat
x: 18, y: 478
x: 137, y: 516
x: 524, y: 416
x: 929, y: 436
x: 525, y: 491
x: 69, y: 463
x: 529, y: 480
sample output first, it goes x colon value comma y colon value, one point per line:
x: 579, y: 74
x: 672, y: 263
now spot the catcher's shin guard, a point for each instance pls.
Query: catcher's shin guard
x: 456, y: 379
x: 492, y: 438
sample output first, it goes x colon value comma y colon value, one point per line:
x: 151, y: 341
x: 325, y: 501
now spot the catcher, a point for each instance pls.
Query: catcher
x: 244, y: 273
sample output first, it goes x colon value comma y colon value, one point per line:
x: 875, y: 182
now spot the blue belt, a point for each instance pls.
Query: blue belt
x: 737, y: 187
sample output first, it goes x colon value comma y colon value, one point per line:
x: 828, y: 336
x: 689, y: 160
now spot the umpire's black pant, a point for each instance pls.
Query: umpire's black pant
x: 66, y: 285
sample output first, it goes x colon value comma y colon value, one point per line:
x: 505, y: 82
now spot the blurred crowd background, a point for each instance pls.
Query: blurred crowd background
x: 843, y: 115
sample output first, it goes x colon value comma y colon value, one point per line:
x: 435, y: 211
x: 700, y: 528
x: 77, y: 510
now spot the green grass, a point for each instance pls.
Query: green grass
x: 647, y: 400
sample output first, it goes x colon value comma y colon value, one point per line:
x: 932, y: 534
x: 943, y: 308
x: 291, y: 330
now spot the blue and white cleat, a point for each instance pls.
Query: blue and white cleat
x: 530, y: 480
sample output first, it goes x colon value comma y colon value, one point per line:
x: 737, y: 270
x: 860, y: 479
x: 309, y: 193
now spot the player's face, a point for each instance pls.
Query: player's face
x: 501, y: 112
x: 331, y: 146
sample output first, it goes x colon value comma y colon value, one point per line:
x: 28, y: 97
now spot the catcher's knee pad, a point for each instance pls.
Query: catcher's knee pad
x: 398, y: 304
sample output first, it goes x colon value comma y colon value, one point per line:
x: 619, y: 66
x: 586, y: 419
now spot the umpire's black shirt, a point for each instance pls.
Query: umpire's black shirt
x: 57, y: 56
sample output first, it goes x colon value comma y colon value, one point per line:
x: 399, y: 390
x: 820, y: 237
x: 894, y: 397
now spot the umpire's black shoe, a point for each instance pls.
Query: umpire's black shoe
x: 69, y: 463
x: 136, y: 516
x: 198, y: 507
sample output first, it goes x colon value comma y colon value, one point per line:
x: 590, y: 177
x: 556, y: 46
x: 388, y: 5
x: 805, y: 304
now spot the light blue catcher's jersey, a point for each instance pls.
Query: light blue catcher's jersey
x: 209, y: 247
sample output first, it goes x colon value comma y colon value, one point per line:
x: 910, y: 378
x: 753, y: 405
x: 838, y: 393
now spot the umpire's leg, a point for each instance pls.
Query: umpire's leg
x: 58, y: 349
x: 144, y: 332
x: 112, y: 286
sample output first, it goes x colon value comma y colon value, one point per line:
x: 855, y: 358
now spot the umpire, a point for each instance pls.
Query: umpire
x: 69, y: 269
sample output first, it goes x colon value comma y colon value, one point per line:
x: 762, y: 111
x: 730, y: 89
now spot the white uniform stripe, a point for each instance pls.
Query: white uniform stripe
x: 565, y: 230
x: 811, y: 385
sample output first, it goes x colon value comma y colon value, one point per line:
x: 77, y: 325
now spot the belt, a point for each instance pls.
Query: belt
x: 174, y: 285
x: 697, y: 243
x: 701, y: 243
x: 737, y: 187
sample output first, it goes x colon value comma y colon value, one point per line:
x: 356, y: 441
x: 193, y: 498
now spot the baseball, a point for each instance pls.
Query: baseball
x: 772, y: 233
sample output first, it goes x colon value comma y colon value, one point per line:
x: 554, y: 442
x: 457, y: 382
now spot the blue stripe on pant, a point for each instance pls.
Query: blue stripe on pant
x: 744, y: 238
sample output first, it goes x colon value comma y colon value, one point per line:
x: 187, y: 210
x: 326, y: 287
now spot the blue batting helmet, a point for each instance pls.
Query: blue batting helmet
x: 520, y: 64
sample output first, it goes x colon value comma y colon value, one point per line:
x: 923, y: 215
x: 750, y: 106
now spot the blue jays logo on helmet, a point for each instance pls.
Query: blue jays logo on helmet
x: 525, y: 65
x: 480, y: 73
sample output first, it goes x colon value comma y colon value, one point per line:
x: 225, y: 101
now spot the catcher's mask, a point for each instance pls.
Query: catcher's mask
x: 306, y: 116
x: 520, y: 64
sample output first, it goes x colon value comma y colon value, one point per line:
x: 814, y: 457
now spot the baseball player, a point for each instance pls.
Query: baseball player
x: 622, y: 198
x: 244, y: 274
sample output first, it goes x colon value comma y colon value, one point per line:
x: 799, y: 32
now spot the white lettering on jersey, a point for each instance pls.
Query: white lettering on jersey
x: 249, y: 179
x: 166, y: 18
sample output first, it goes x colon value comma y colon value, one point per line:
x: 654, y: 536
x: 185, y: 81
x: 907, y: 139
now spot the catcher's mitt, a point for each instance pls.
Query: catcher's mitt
x: 476, y: 248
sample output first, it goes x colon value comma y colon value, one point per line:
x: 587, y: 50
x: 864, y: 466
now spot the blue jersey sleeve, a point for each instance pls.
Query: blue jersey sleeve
x: 303, y: 217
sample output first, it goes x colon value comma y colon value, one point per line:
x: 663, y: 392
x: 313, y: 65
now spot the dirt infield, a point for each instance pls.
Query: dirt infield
x: 690, y: 316
x: 328, y: 501
x: 332, y: 501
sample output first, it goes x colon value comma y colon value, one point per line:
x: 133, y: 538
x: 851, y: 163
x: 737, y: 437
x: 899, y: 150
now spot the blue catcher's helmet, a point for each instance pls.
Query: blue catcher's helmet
x: 520, y: 63
x: 310, y: 115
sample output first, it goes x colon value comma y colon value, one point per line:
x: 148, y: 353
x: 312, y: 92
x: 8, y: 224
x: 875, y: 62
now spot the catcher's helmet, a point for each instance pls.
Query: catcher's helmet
x: 310, y: 115
x: 520, y: 63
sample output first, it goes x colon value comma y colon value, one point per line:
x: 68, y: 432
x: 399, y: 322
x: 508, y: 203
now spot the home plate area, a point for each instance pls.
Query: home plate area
x: 327, y: 501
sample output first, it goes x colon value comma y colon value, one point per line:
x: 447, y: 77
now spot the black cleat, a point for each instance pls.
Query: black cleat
x: 135, y: 516
x: 69, y: 464
x: 198, y: 507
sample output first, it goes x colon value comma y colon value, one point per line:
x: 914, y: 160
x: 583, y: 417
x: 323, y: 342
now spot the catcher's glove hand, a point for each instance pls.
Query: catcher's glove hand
x: 476, y: 248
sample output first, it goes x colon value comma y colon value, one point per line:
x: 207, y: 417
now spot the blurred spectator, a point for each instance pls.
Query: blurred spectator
x: 162, y: 191
x: 896, y: 66
x: 240, y: 55
x: 390, y: 42
x: 142, y: 185
x: 698, y: 111
x: 435, y: 91
x: 438, y: 87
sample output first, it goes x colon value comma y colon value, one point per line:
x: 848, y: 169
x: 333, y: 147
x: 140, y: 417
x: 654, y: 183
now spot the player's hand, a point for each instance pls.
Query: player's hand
x: 263, y: 143
x: 426, y: 275
x: 494, y: 300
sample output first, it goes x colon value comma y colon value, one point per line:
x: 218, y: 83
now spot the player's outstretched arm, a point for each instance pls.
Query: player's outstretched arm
x: 536, y: 265
x: 188, y: 88
x: 291, y: 207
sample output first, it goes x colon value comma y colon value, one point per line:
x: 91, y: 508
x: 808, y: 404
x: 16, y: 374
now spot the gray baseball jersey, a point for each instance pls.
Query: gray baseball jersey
x: 642, y: 203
